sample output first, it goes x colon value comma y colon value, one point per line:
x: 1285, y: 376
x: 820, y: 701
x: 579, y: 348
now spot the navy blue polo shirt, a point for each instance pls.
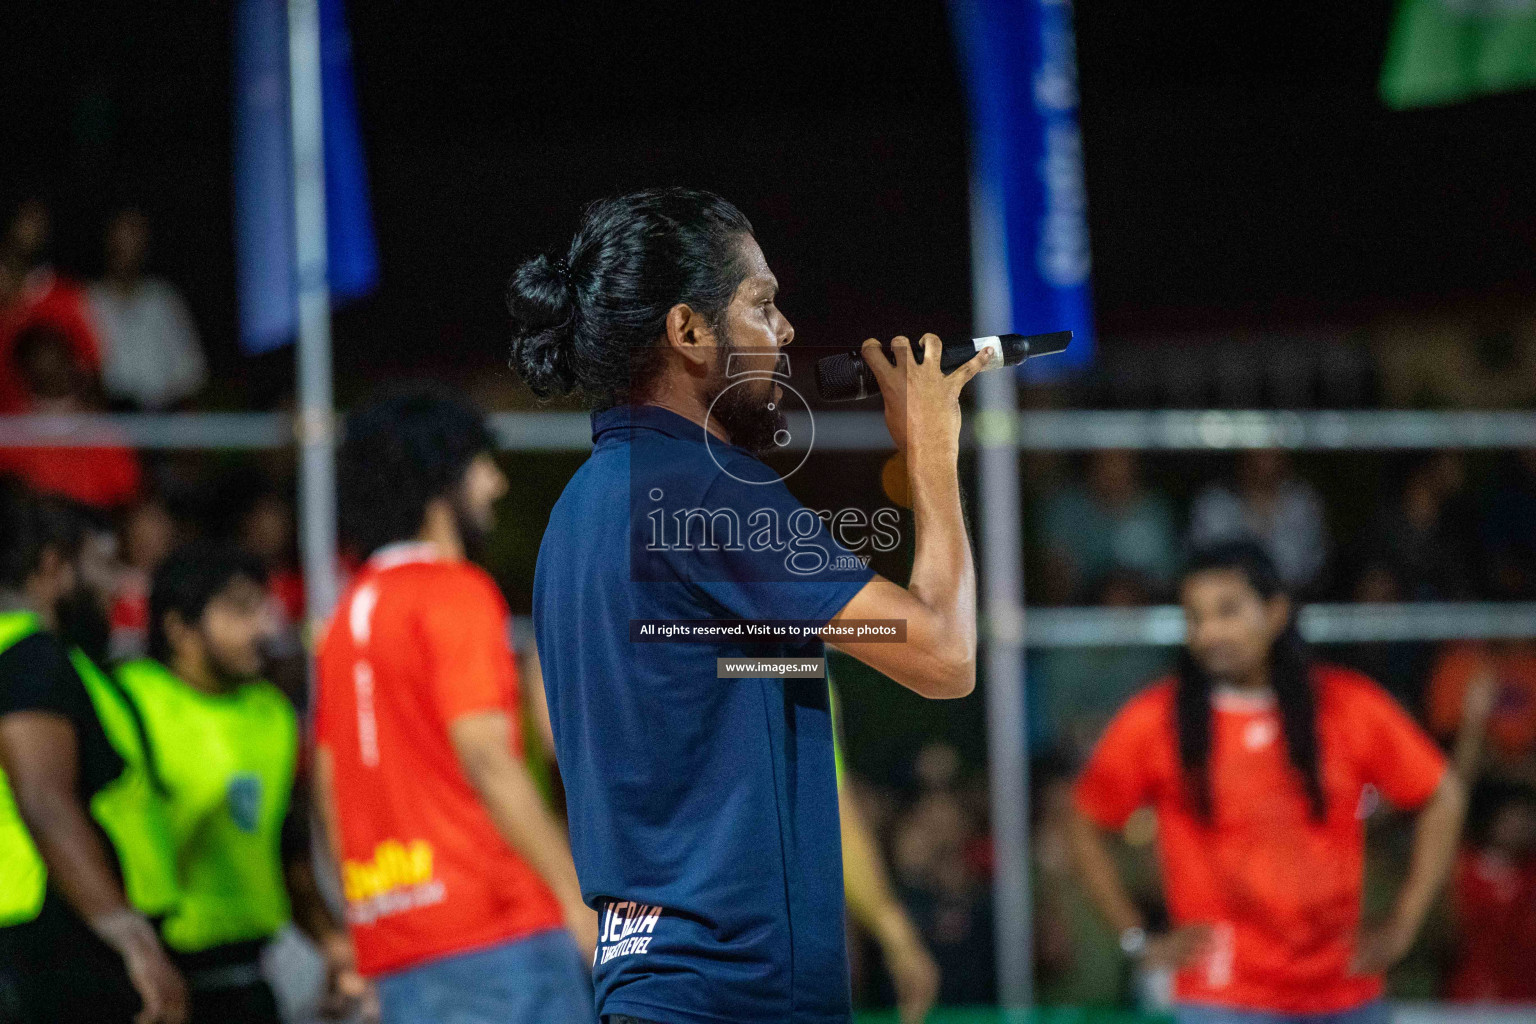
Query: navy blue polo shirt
x: 703, y: 811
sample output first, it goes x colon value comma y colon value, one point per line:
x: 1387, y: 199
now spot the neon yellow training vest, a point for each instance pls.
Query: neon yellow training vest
x: 227, y: 761
x: 130, y: 810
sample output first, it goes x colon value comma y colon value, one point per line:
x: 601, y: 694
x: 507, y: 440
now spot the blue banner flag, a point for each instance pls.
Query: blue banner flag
x: 264, y: 230
x: 1029, y: 205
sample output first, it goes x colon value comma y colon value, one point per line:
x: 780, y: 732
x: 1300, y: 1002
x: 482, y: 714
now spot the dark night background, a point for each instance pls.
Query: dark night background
x: 1241, y: 171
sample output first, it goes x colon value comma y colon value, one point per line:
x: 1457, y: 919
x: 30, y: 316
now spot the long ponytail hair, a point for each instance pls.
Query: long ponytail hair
x: 1290, y: 676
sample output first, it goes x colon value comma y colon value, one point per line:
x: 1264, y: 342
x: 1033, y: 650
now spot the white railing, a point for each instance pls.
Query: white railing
x: 860, y: 430
x: 551, y: 431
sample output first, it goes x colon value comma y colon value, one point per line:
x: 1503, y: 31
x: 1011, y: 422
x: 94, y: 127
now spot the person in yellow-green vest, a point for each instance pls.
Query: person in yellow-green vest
x: 85, y: 859
x: 228, y: 752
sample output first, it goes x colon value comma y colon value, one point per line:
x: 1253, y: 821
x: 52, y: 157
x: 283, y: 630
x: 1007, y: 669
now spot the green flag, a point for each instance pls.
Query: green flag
x: 1445, y: 51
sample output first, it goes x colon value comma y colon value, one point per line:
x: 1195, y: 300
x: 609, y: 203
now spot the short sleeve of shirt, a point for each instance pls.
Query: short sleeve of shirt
x: 783, y: 562
x: 1397, y: 756
x: 468, y: 649
x: 1117, y: 779
x: 35, y: 675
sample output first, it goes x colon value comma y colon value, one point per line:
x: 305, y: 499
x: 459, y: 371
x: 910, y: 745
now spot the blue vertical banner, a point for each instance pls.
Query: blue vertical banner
x: 263, y: 163
x: 1029, y: 219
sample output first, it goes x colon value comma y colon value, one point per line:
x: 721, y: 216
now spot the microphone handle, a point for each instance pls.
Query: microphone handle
x: 1006, y: 351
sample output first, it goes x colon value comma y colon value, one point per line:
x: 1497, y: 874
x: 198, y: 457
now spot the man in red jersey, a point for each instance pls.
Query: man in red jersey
x: 1261, y: 767
x: 460, y: 891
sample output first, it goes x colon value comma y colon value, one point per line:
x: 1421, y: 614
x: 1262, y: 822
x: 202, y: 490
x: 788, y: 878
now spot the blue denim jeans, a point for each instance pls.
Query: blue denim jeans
x: 1377, y: 1012
x: 538, y: 980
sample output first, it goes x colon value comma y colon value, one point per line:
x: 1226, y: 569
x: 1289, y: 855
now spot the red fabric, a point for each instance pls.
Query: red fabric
x: 414, y: 646
x: 1281, y: 890
x: 100, y: 477
x: 60, y: 303
x: 286, y: 586
x: 1495, y: 899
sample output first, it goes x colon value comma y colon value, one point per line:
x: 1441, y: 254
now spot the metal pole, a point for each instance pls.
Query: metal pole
x: 316, y: 419
x: 997, y: 468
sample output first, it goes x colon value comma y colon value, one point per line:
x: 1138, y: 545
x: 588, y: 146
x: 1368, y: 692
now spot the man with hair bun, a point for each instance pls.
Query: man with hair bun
x: 703, y: 805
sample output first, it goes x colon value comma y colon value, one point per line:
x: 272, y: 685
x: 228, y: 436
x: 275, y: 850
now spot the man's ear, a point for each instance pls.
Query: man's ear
x: 689, y: 334
x: 1279, y: 613
x: 55, y: 569
x: 177, y: 631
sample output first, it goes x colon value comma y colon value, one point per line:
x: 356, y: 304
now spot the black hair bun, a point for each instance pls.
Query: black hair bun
x: 542, y: 302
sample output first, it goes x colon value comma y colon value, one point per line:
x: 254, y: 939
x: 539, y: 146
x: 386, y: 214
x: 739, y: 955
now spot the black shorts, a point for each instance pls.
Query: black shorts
x: 54, y: 970
x: 226, y: 985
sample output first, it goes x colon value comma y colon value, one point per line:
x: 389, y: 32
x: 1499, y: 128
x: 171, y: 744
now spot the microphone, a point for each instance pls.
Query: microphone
x: 846, y: 377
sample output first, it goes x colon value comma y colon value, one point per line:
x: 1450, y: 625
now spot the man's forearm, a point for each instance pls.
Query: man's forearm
x: 77, y: 863
x: 1434, y: 847
x: 518, y: 812
x: 943, y: 573
x: 310, y: 911
x: 1097, y: 870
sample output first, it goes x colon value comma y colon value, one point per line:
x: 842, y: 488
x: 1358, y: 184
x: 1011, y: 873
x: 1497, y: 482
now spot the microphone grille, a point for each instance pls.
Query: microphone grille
x: 840, y: 377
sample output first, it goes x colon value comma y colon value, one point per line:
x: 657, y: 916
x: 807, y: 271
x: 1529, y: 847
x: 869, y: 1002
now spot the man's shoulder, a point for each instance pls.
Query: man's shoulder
x: 1155, y: 699
x: 1150, y: 710
x: 409, y: 588
x: 1339, y: 684
x: 37, y: 675
x: 437, y: 584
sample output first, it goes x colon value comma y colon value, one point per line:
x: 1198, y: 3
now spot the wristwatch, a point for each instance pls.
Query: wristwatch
x: 1133, y: 942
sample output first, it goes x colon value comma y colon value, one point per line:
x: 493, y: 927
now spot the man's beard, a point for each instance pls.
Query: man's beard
x: 747, y: 411
x: 472, y: 534
x: 228, y: 677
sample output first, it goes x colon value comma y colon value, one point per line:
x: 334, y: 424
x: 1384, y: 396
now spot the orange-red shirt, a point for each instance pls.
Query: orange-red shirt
x: 1281, y: 890
x: 1512, y: 724
x: 417, y: 642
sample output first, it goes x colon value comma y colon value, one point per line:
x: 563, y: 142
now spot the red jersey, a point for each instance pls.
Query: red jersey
x: 1280, y: 889
x: 1495, y: 900
x: 416, y: 643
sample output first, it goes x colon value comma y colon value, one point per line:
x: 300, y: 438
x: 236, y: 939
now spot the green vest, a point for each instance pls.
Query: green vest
x: 228, y: 763
x: 130, y: 809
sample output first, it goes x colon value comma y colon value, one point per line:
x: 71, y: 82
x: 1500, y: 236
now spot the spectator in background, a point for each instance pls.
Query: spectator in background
x: 1420, y: 544
x: 1493, y: 898
x: 934, y: 846
x: 1508, y: 538
x: 151, y: 356
x: 1112, y: 523
x: 266, y: 530
x: 1511, y: 665
x: 55, y: 381
x: 1273, y: 505
x: 33, y: 294
x: 146, y: 537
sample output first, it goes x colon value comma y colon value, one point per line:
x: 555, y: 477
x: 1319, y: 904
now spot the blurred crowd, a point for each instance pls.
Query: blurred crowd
x: 1104, y: 529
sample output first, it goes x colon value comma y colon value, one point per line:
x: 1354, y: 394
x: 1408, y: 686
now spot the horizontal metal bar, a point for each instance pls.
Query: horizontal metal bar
x: 1216, y: 430
x: 1163, y: 625
x: 542, y: 431
x: 1076, y: 430
x: 189, y: 430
